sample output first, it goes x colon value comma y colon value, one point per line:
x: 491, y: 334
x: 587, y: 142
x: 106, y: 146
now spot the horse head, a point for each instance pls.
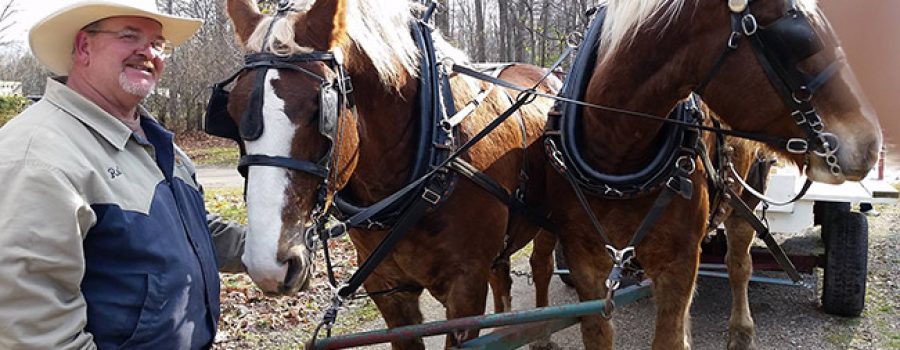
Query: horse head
x: 290, y: 105
x: 771, y: 67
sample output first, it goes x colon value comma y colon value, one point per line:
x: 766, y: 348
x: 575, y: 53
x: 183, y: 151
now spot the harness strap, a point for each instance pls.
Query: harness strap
x: 782, y: 143
x: 376, y: 208
x: 762, y: 231
x: 730, y: 46
x: 410, y: 217
x: 495, y: 189
x: 282, y: 162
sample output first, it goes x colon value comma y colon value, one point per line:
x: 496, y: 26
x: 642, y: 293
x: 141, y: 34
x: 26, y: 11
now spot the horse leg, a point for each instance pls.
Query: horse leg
x: 589, y: 271
x: 501, y: 284
x: 466, y: 297
x: 398, y: 309
x: 542, y: 270
x: 519, y: 232
x: 542, y: 267
x: 740, y: 266
x: 673, y: 289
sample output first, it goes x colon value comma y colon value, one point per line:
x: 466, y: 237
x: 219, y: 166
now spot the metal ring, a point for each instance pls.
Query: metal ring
x: 830, y: 145
x: 748, y: 23
x: 807, y: 95
x: 686, y: 164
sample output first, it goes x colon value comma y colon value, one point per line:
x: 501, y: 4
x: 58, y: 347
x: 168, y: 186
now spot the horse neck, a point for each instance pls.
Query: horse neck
x: 386, y: 133
x: 650, y: 75
x: 620, y: 143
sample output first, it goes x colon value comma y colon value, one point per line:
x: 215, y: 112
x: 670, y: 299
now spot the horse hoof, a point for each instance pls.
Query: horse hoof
x: 741, y: 341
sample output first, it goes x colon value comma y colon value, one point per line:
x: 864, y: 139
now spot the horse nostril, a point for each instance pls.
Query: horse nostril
x: 297, y: 274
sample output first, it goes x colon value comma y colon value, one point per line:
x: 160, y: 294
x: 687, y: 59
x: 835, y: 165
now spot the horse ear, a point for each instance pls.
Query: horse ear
x: 330, y: 16
x: 245, y: 16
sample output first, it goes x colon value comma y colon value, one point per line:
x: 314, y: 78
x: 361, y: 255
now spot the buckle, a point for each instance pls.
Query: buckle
x: 748, y: 23
x: 431, y: 197
x: 797, y: 146
x: 799, y: 117
x: 620, y: 257
x: 733, y: 40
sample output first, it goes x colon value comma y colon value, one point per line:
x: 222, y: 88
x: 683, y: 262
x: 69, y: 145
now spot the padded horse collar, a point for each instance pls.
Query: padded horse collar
x: 779, y: 47
x: 434, y: 143
x: 676, y: 142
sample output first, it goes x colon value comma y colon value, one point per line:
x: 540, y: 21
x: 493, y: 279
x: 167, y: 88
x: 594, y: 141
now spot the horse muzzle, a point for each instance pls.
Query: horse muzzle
x: 299, y: 271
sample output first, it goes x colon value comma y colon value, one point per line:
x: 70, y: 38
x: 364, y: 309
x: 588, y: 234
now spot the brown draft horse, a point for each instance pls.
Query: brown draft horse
x: 450, y: 251
x: 743, y: 155
x: 654, y: 53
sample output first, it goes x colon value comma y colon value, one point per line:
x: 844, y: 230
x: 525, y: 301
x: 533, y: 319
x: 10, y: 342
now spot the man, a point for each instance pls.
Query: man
x: 104, y: 241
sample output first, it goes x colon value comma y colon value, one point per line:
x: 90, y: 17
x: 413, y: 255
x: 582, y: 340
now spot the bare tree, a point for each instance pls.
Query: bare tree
x: 6, y: 22
x: 208, y: 57
x: 480, y: 40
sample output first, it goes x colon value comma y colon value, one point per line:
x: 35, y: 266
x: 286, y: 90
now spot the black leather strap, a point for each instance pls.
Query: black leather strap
x: 495, y: 189
x: 762, y: 231
x: 281, y: 162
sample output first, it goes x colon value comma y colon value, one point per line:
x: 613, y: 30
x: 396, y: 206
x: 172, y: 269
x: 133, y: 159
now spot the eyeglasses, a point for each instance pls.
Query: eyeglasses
x: 161, y: 48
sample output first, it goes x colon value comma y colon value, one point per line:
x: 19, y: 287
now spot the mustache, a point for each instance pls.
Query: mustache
x: 143, y: 62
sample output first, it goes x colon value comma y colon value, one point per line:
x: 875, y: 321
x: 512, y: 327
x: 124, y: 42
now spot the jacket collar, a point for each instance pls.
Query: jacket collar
x: 106, y: 125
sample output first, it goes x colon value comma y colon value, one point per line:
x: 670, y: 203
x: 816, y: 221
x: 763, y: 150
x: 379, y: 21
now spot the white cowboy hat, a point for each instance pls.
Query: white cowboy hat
x: 52, y: 40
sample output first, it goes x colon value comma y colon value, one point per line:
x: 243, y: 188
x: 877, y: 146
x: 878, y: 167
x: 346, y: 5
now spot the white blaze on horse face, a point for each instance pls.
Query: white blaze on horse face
x: 266, y: 193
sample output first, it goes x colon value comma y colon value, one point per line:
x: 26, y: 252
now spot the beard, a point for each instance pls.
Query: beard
x: 137, y: 88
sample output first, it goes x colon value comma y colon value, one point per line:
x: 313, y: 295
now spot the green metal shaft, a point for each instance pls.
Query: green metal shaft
x: 623, y: 297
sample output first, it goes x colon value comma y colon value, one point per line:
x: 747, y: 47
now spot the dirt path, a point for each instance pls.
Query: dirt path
x: 219, y: 177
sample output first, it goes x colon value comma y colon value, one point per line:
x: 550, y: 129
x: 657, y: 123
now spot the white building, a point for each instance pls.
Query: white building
x: 10, y: 88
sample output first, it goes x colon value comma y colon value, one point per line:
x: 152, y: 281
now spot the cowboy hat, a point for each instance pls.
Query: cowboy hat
x: 52, y: 40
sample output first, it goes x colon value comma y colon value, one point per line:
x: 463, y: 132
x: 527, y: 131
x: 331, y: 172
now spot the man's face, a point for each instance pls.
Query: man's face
x: 122, y: 58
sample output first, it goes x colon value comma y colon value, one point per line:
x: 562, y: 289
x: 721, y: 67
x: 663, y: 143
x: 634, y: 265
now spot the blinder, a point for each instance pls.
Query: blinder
x: 786, y: 43
x: 332, y: 95
x: 218, y: 121
x: 779, y: 48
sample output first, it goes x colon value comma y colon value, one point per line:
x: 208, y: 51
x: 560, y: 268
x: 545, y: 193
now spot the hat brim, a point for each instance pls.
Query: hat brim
x: 52, y: 40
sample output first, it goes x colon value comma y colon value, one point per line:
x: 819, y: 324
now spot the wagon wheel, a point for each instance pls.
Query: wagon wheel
x: 562, y: 264
x: 846, y: 238
x: 825, y: 213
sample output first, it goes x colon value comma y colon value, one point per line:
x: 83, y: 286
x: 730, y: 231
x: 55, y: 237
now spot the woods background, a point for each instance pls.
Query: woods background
x: 532, y: 31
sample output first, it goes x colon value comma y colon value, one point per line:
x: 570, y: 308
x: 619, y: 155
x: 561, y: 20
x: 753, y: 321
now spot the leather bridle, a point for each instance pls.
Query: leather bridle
x: 334, y: 94
x: 779, y: 47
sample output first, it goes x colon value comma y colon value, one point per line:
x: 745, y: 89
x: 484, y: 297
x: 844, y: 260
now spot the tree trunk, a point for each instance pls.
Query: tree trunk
x: 480, y: 44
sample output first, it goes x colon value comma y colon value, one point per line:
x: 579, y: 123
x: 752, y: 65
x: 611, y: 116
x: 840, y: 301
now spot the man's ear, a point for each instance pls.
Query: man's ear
x: 81, y: 51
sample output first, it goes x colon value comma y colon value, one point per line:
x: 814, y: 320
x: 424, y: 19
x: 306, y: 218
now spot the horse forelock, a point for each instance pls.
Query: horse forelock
x: 279, y: 41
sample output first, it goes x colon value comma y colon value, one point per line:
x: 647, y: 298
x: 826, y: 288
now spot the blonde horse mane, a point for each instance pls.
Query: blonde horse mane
x: 380, y: 29
x: 626, y: 17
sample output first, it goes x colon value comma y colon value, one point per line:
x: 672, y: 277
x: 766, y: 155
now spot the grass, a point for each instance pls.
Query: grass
x: 228, y: 203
